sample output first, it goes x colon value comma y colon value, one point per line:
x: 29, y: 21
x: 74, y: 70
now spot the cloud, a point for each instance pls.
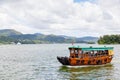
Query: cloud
x: 66, y: 17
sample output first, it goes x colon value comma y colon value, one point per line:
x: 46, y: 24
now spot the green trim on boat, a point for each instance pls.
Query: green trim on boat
x: 91, y: 48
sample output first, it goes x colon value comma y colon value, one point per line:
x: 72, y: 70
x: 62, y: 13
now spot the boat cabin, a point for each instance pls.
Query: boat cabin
x: 82, y: 52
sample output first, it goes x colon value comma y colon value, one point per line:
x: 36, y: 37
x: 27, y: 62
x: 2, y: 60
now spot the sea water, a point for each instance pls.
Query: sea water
x: 38, y: 62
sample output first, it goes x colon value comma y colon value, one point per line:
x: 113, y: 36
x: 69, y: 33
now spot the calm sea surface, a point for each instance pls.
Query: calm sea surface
x: 38, y: 62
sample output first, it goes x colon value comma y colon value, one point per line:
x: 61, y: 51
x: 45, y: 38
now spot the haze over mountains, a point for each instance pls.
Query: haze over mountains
x: 9, y: 36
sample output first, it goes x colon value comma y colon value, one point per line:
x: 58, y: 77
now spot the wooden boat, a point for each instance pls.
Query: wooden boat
x: 87, y: 56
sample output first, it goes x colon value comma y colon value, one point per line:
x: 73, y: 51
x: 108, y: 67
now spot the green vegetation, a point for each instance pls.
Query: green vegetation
x: 109, y: 39
x: 8, y: 32
x: 9, y: 36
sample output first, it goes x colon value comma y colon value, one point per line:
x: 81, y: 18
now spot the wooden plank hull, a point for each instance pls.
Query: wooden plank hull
x: 85, y: 61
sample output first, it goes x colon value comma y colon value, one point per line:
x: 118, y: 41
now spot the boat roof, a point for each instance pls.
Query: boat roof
x: 91, y: 48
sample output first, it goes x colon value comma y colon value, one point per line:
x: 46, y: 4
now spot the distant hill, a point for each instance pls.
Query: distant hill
x: 8, y: 32
x: 88, y: 38
x: 9, y: 36
x: 66, y: 37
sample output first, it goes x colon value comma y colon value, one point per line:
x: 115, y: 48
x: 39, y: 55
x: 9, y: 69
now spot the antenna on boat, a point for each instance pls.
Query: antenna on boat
x: 72, y: 42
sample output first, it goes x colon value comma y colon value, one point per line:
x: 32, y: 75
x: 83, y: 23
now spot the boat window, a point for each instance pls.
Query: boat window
x: 76, y: 51
x: 72, y: 51
x: 79, y: 51
x: 86, y: 52
x: 106, y: 52
x: 95, y: 51
x: 99, y: 53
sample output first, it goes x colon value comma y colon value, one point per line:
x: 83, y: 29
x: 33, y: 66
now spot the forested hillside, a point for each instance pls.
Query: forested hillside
x: 9, y: 36
x: 109, y: 39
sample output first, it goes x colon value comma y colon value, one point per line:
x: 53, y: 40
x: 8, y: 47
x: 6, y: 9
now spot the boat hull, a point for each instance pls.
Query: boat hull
x: 63, y: 60
x: 84, y: 61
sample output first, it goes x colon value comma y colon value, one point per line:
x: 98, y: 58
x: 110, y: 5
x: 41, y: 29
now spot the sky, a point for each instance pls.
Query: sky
x: 61, y: 17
